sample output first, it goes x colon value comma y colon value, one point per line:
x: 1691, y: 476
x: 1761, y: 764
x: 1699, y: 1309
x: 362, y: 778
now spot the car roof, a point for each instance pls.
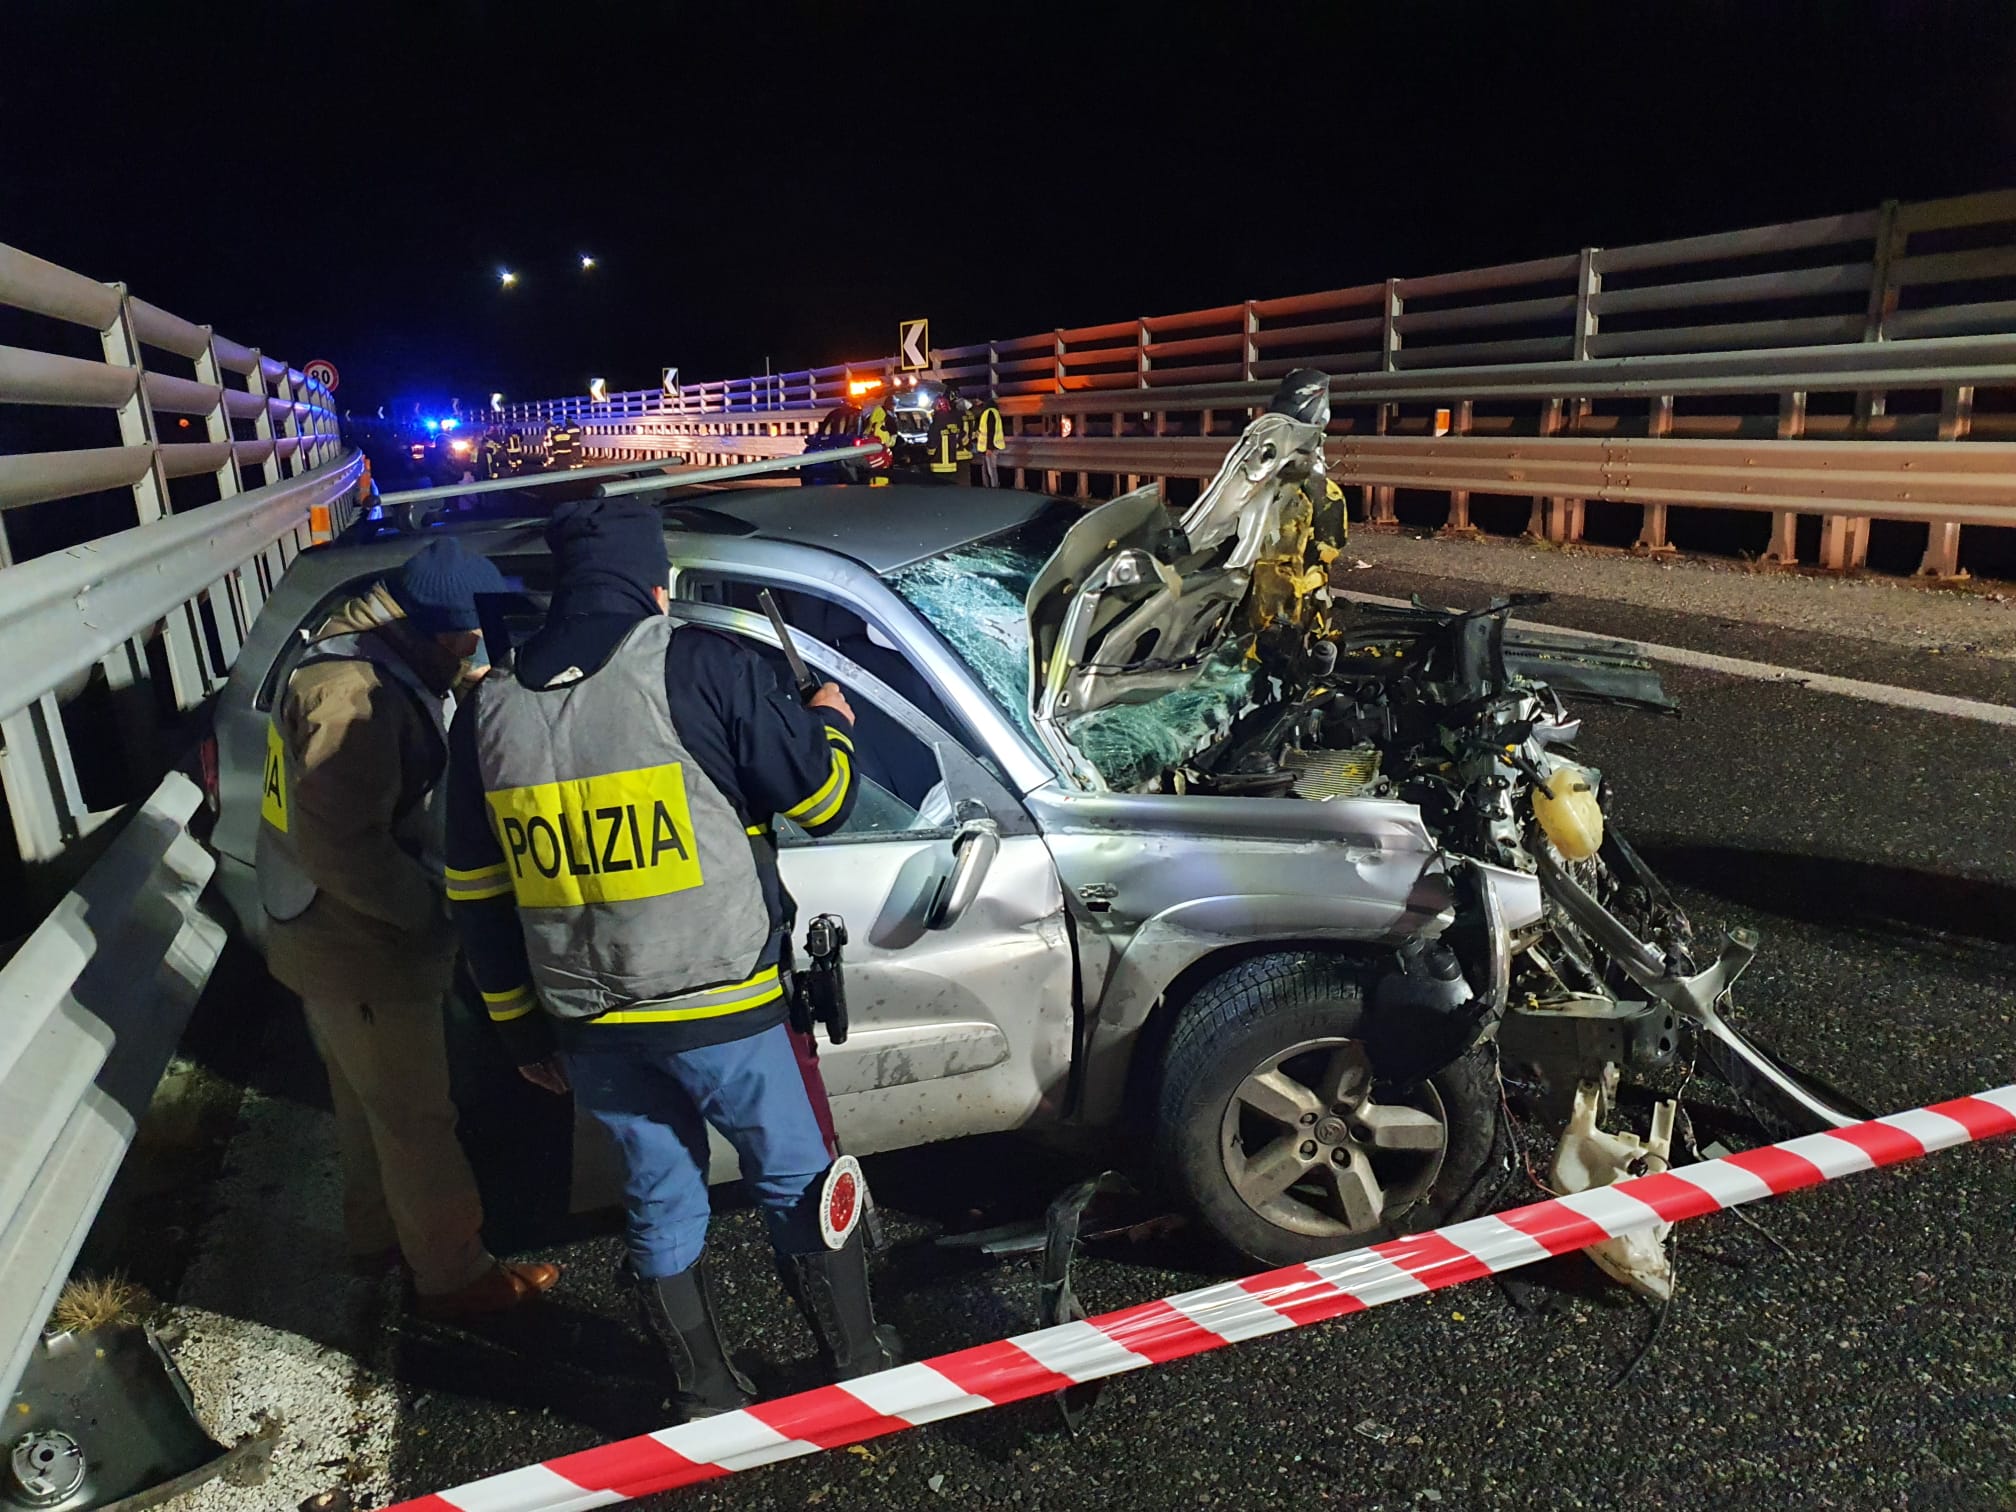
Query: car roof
x: 882, y: 528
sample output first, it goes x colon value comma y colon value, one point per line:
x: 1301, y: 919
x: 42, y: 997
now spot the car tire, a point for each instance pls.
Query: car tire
x: 1289, y: 1024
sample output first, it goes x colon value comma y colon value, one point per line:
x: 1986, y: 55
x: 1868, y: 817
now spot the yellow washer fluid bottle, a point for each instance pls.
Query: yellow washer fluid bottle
x: 1571, y: 817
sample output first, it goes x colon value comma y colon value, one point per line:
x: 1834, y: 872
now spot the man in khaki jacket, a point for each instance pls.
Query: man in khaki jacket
x: 350, y: 874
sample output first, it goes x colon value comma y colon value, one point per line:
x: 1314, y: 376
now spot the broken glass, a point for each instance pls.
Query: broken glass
x: 974, y: 598
x: 1133, y: 744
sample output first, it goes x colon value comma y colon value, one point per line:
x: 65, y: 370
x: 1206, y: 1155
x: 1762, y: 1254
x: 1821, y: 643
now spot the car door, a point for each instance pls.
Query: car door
x: 959, y: 968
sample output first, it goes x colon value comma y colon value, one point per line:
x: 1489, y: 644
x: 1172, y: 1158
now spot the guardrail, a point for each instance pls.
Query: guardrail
x: 217, y: 521
x: 1904, y: 312
x: 96, y: 999
x: 200, y: 577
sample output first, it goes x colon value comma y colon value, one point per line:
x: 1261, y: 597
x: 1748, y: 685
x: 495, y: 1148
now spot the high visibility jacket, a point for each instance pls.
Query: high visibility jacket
x: 988, y: 435
x: 964, y: 425
x: 514, y: 444
x: 876, y: 423
x: 634, y: 878
x: 285, y: 888
x: 945, y: 448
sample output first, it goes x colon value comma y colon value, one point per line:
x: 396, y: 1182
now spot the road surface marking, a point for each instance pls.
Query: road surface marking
x: 1737, y: 666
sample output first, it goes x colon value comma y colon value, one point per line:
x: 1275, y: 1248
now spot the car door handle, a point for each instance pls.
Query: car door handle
x: 973, y: 851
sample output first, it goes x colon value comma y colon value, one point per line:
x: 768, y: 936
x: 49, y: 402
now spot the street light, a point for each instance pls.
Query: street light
x: 506, y: 278
x: 587, y: 262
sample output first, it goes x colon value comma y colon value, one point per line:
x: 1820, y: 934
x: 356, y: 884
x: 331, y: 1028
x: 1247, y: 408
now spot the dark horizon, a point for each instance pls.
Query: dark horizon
x: 788, y: 184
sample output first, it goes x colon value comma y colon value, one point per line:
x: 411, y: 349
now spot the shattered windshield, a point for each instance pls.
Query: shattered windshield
x: 976, y: 596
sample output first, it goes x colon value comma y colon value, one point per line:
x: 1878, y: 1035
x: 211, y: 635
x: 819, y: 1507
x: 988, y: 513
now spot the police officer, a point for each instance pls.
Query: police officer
x: 612, y: 870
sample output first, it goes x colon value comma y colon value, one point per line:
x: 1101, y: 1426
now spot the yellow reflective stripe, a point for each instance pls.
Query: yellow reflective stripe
x: 844, y: 769
x: 833, y: 779
x: 476, y: 886
x: 757, y: 829
x: 769, y: 994
x: 503, y: 1007
x: 839, y: 737
x: 463, y: 892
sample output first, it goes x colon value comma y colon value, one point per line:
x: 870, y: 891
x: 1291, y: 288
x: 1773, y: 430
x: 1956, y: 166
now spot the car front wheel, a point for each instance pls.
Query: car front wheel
x: 1272, y: 1124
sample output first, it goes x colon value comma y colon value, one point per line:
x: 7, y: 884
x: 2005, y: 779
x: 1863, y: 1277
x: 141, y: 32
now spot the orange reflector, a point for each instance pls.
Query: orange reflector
x: 318, y: 520
x: 1441, y: 422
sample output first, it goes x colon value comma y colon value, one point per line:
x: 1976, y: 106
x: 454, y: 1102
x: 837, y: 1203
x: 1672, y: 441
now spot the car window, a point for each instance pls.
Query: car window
x: 900, y: 780
x: 835, y: 624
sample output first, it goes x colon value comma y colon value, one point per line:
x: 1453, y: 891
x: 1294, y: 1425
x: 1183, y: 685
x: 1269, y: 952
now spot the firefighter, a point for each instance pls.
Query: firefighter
x: 493, y: 455
x: 514, y: 451
x: 349, y: 868
x: 563, y: 439
x: 613, y: 871
x: 988, y: 439
x: 951, y: 448
x: 875, y: 425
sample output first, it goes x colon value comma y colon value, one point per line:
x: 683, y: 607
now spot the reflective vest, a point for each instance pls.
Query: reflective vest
x: 634, y: 875
x: 945, y: 448
x: 285, y: 888
x: 514, y: 445
x: 965, y: 428
x: 987, y: 432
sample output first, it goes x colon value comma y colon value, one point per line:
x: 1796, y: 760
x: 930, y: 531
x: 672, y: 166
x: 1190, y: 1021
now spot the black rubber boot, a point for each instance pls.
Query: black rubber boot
x: 679, y: 1313
x: 831, y: 1290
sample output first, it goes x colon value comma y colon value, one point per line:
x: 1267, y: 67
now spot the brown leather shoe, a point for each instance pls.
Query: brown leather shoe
x: 508, y: 1284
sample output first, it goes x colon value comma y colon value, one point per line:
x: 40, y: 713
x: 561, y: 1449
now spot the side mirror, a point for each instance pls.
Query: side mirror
x: 973, y: 849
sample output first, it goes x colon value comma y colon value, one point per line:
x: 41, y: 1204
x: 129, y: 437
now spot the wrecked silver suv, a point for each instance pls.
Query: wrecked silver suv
x: 1160, y: 838
x: 1345, y: 1076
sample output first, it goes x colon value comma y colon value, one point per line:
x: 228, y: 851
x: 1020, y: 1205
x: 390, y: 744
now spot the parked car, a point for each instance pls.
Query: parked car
x: 1122, y: 863
x: 840, y: 427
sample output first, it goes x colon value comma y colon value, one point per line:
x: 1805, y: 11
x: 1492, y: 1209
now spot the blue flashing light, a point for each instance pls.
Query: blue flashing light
x: 433, y: 425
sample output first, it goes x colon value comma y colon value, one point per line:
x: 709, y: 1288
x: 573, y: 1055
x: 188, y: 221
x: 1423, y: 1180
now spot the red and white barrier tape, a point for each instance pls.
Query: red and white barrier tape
x: 1035, y: 1364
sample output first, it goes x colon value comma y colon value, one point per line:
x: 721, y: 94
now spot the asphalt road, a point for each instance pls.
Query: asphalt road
x: 1856, y: 1349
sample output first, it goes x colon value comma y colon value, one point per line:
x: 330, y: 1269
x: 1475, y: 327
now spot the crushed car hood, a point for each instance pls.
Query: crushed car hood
x: 1137, y: 606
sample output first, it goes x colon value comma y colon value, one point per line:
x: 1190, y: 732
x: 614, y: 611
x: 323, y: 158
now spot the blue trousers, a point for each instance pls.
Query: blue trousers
x: 657, y: 1106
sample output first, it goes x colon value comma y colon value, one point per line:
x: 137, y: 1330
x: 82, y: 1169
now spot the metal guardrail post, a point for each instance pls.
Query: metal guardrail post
x: 1942, y: 543
x: 1652, y: 518
x: 1379, y: 512
x: 1588, y: 284
x: 40, y: 781
x: 1458, y: 525
x: 136, y: 415
x: 290, y: 423
x: 1249, y: 343
x: 1784, y: 548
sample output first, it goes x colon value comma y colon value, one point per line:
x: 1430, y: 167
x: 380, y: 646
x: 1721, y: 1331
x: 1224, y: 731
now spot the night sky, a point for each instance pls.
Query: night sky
x: 344, y: 180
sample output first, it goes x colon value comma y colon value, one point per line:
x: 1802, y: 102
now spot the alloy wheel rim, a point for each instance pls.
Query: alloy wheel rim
x: 1308, y: 1148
